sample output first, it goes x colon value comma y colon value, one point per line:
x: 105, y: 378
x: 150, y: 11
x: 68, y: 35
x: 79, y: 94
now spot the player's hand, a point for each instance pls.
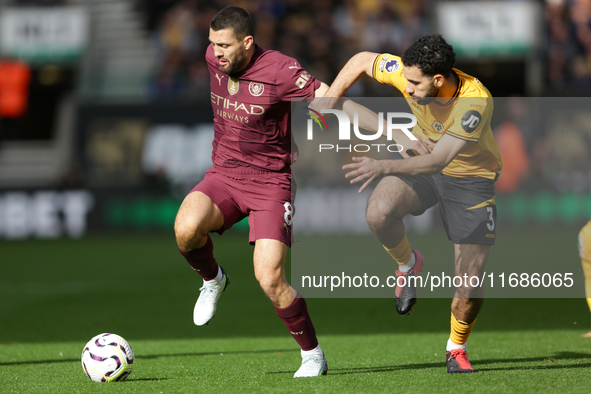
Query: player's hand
x: 415, y: 148
x: 364, y: 169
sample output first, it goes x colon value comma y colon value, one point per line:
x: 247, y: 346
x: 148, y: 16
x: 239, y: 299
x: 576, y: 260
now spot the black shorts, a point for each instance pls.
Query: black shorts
x: 467, y: 205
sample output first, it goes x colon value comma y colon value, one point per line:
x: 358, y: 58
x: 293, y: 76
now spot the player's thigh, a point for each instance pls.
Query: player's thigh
x: 585, y: 252
x: 198, y: 215
x: 468, y: 209
x: 270, y: 210
x: 392, y: 197
x: 585, y: 242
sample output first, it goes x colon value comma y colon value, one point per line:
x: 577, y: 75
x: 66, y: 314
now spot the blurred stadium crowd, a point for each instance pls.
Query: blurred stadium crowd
x: 324, y: 34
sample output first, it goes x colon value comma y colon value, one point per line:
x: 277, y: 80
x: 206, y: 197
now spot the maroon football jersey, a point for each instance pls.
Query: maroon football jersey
x: 252, y: 110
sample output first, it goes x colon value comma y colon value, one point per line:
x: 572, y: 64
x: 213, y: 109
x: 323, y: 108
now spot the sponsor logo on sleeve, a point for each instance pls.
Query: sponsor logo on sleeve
x: 470, y: 121
x: 392, y: 65
x: 382, y: 62
x: 302, y: 80
x: 256, y: 88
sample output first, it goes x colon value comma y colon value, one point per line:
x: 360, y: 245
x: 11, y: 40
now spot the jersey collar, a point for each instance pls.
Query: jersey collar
x: 456, y: 93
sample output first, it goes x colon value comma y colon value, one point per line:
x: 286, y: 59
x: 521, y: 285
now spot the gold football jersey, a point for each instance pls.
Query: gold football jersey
x: 466, y: 115
x: 585, y: 242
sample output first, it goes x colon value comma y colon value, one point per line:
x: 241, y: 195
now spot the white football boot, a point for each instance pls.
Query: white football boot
x: 206, y: 303
x: 312, y: 365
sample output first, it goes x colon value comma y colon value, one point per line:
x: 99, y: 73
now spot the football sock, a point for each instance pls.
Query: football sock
x: 218, y: 277
x: 408, y: 266
x: 403, y: 255
x: 459, y: 333
x: 452, y: 346
x: 299, y: 324
x: 316, y: 351
x: 202, y: 261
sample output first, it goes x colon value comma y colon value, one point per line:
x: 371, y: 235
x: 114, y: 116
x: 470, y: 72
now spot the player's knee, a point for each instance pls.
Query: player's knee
x: 271, y: 287
x: 188, y: 237
x: 379, y: 214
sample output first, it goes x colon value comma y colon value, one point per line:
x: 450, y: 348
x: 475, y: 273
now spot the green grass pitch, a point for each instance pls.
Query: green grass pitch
x: 56, y: 295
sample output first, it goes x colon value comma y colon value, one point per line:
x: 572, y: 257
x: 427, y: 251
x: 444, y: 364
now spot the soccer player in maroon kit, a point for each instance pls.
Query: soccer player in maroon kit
x: 251, y: 88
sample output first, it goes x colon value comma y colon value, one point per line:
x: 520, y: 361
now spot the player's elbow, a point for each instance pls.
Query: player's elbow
x: 439, y: 167
x: 363, y: 62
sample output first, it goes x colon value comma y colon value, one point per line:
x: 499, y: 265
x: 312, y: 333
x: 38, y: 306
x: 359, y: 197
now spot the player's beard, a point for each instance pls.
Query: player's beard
x: 429, y: 97
x: 235, y: 64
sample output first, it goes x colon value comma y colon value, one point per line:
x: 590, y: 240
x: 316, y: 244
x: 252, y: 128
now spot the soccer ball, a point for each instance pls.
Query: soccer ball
x: 107, y: 358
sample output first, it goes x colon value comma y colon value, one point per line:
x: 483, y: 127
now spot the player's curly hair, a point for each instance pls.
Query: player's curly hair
x: 235, y: 18
x: 432, y: 54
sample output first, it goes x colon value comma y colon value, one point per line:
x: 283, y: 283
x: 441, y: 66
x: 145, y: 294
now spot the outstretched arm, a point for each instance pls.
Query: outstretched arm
x: 353, y: 70
x: 363, y: 63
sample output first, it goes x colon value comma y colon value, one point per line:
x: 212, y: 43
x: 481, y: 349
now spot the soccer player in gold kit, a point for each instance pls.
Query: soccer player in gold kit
x: 453, y: 112
x: 585, y: 253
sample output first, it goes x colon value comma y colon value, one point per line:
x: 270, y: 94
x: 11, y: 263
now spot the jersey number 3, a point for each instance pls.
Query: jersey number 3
x: 491, y: 225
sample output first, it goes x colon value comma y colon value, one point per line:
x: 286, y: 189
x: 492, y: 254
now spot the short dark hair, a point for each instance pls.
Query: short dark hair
x: 432, y: 54
x: 235, y: 18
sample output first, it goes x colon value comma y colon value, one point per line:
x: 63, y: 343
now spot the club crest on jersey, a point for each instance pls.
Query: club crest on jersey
x: 233, y: 85
x: 437, y: 127
x: 256, y: 88
x: 392, y: 65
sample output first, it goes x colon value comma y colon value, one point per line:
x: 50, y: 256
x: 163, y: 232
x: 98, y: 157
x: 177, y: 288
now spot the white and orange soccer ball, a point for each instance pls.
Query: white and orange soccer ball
x: 107, y: 358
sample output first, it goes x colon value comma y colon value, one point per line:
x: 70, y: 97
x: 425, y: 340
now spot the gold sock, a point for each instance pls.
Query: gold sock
x: 401, y: 252
x: 460, y: 330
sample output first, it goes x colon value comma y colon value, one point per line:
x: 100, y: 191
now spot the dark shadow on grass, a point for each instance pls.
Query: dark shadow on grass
x: 60, y: 360
x: 152, y: 356
x: 395, y: 367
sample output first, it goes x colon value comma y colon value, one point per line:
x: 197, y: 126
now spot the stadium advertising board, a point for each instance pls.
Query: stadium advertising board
x: 45, y: 213
x: 56, y: 34
x: 490, y: 29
